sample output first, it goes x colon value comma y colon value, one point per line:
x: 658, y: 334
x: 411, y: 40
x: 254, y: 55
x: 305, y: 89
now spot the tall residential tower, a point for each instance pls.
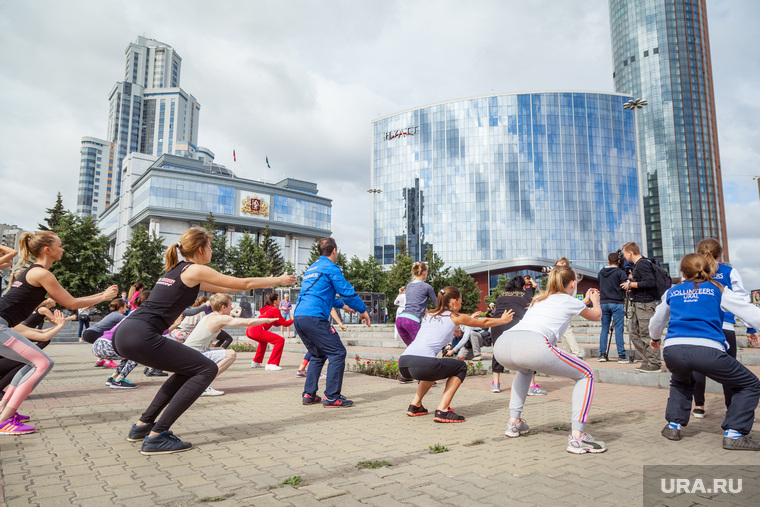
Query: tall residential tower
x: 661, y: 53
x: 148, y: 113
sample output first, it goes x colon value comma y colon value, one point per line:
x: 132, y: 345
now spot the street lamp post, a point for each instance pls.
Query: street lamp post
x: 634, y: 105
x: 374, y: 192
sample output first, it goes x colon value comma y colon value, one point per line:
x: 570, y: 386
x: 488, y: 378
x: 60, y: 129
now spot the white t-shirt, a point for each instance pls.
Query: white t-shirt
x: 200, y: 339
x: 551, y: 316
x: 435, y: 332
x: 401, y: 303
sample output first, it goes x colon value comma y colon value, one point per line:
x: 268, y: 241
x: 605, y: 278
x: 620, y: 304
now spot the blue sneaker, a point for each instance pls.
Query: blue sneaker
x: 164, y: 443
x: 340, y: 401
x: 310, y: 400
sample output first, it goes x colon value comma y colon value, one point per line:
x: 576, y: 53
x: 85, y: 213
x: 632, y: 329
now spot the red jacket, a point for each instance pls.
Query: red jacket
x: 272, y: 312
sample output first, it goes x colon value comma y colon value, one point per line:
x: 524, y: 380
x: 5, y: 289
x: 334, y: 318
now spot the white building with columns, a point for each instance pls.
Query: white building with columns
x: 170, y: 194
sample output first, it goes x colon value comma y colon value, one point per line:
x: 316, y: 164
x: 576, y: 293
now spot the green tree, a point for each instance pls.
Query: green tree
x: 143, y: 259
x: 84, y: 268
x: 468, y: 287
x: 272, y: 253
x: 248, y: 258
x: 365, y: 276
x: 500, y: 287
x: 313, y: 254
x: 220, y: 258
x: 438, y: 273
x: 54, y: 215
x: 398, y: 276
x: 289, y: 268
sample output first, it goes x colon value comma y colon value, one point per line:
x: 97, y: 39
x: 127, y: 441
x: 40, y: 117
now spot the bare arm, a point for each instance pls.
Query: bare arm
x: 42, y: 277
x: 221, y: 321
x: 468, y: 320
x: 594, y: 313
x: 336, y: 318
x: 213, y: 281
x: 46, y: 313
x: 37, y: 335
x: 7, y: 259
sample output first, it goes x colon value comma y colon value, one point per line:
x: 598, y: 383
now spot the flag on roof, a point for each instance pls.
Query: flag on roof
x: 269, y: 166
x: 234, y: 158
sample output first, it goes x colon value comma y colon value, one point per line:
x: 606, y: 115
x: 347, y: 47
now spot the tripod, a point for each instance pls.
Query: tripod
x: 628, y: 307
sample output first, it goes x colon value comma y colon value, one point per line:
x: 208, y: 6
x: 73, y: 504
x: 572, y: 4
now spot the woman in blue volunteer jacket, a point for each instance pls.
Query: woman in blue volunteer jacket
x: 694, y: 312
x: 727, y: 276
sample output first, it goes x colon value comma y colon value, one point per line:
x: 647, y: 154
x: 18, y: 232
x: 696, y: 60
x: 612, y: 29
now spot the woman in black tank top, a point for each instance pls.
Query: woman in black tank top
x: 26, y: 293
x: 140, y: 337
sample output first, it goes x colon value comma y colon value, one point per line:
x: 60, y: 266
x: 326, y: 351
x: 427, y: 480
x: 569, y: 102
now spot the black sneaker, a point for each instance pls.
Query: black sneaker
x: 447, y: 417
x: 671, y: 433
x: 152, y: 372
x: 699, y: 413
x: 310, y: 400
x: 164, y: 443
x: 138, y: 433
x: 414, y: 411
x: 602, y: 358
x: 404, y: 380
x: 623, y: 360
x: 340, y: 401
x: 122, y: 384
x: 743, y: 443
x: 109, y: 381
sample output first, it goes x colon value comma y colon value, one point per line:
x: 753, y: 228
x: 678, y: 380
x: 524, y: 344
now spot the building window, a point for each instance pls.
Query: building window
x: 646, y: 53
x: 633, y: 59
x: 656, y: 51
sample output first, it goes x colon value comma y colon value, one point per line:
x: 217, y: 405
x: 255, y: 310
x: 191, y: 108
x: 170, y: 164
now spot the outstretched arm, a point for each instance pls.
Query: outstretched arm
x: 37, y: 335
x: 470, y: 320
x: 213, y: 281
x: 221, y: 321
x: 6, y: 260
x: 43, y: 277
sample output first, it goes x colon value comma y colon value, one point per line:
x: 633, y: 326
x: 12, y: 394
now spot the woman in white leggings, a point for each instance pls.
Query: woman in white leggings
x: 531, y: 345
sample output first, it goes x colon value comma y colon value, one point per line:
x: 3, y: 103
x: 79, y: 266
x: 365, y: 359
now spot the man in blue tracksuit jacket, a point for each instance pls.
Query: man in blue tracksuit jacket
x: 322, y: 281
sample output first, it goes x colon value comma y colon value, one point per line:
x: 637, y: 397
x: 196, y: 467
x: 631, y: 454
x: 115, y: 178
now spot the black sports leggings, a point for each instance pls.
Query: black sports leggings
x: 193, y: 372
x: 90, y: 335
x: 431, y: 368
x: 223, y: 339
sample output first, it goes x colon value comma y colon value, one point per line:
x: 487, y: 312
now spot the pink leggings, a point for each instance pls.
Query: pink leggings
x: 38, y: 364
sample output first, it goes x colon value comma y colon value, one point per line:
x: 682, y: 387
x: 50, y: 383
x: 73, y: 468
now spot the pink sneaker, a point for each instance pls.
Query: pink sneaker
x: 300, y: 373
x: 15, y: 427
x: 111, y: 364
x: 22, y: 417
x: 99, y: 363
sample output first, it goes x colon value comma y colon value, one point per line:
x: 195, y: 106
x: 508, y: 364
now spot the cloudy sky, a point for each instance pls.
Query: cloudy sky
x: 301, y: 81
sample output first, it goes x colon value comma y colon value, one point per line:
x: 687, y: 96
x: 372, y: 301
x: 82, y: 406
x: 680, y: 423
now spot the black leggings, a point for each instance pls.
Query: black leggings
x: 9, y: 367
x: 193, y: 372
x: 700, y: 380
x: 431, y: 369
x: 223, y: 340
x: 90, y: 335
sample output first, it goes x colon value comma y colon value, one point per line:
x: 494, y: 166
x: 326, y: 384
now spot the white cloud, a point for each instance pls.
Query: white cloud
x: 301, y: 81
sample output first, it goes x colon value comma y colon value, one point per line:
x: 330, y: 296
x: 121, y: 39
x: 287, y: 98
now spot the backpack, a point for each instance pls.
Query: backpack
x: 661, y: 277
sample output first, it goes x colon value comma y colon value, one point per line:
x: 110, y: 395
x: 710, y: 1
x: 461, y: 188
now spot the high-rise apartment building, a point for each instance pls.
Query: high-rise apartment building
x: 148, y: 113
x: 661, y: 53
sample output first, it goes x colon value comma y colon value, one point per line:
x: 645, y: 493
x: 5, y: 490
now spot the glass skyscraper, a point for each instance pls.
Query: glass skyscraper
x: 485, y: 179
x: 661, y: 53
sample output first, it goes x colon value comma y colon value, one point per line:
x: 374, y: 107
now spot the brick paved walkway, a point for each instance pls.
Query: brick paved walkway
x: 257, y: 435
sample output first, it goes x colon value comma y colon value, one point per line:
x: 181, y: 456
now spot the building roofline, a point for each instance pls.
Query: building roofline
x: 525, y: 261
x: 499, y: 95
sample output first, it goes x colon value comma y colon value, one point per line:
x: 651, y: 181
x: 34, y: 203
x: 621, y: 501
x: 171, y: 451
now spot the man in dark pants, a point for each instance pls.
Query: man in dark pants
x: 612, y: 297
x: 642, y: 285
x: 322, y: 281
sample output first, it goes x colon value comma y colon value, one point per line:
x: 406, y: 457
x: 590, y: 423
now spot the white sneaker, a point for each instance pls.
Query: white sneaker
x: 210, y: 391
x: 584, y: 444
x: 254, y: 364
x: 515, y: 430
x: 273, y: 367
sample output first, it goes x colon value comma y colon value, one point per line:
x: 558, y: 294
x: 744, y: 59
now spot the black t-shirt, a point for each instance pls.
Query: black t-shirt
x: 21, y: 299
x: 168, y: 299
x: 517, y: 301
x: 643, y: 275
x: 35, y: 320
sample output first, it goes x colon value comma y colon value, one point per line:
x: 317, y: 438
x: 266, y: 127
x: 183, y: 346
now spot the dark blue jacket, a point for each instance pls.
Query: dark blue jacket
x: 322, y: 281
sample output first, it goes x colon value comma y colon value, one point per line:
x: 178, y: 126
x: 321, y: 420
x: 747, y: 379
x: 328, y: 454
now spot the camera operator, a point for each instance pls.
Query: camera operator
x: 642, y: 286
x: 612, y: 297
x: 568, y: 339
x: 529, y: 287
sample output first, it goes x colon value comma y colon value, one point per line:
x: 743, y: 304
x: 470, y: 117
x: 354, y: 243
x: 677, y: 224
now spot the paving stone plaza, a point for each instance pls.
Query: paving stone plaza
x: 248, y: 442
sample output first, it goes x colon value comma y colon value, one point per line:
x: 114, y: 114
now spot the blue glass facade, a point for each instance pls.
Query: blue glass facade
x: 300, y: 212
x: 187, y: 195
x: 661, y: 53
x: 493, y: 178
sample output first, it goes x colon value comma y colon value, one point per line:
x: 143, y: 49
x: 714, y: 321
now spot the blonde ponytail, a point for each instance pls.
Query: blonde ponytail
x: 188, y: 245
x: 31, y: 244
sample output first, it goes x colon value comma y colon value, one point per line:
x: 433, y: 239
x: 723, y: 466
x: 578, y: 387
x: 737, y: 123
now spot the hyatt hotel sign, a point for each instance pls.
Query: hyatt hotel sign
x: 393, y: 134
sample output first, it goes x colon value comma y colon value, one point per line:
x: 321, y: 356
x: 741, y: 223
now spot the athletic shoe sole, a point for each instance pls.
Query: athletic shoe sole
x: 587, y: 451
x: 114, y: 386
x: 417, y: 414
x: 173, y: 451
x: 17, y: 432
x: 439, y: 420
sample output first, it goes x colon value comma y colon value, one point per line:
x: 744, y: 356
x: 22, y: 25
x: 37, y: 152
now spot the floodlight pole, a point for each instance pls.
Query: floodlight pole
x: 635, y: 105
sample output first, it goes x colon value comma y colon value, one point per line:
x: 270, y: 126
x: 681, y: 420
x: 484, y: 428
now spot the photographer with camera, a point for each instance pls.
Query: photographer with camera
x: 612, y: 298
x: 643, y: 286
